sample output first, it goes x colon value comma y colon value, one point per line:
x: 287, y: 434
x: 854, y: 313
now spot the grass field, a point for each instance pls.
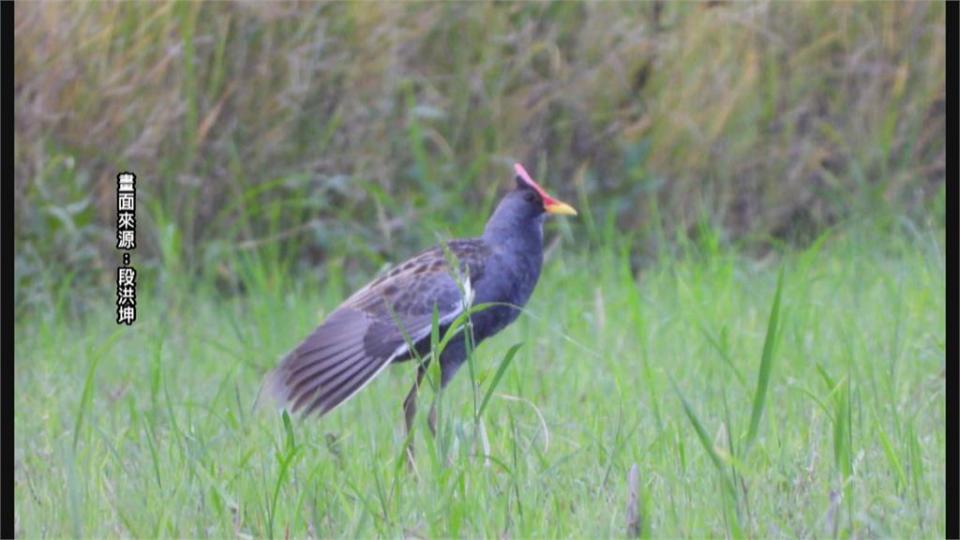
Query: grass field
x: 820, y: 417
x: 285, y: 151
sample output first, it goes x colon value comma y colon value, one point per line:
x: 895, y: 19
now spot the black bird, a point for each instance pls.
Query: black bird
x: 367, y: 332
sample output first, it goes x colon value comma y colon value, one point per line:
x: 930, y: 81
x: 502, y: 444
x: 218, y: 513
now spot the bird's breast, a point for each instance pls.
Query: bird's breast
x: 508, y: 283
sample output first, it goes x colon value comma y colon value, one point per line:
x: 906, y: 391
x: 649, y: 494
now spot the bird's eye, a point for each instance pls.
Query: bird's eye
x: 530, y: 197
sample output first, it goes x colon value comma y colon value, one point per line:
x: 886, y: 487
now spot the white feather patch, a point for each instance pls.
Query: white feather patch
x: 468, y: 295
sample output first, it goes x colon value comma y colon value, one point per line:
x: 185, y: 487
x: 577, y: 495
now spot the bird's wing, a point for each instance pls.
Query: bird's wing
x: 372, y: 327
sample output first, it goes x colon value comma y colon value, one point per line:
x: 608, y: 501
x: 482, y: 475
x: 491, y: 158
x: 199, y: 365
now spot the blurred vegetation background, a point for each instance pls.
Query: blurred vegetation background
x: 323, y: 139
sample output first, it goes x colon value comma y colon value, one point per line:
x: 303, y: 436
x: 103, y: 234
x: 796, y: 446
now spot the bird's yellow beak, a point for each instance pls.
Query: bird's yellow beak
x: 558, y: 208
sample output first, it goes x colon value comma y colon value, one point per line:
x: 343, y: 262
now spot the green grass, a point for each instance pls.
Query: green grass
x: 818, y: 415
x: 797, y: 393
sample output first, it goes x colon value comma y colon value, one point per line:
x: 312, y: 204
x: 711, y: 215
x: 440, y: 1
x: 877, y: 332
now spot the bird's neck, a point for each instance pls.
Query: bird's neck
x: 523, y: 235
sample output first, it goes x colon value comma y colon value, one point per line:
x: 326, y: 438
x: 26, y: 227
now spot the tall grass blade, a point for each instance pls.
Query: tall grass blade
x: 291, y: 441
x: 87, y: 396
x: 704, y: 439
x: 497, y: 376
x: 766, y: 365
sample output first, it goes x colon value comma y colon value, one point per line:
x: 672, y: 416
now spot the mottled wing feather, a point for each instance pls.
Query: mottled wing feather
x: 371, y: 328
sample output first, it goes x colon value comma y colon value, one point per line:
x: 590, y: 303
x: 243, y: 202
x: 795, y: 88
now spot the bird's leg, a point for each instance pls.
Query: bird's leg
x: 450, y: 361
x: 410, y: 410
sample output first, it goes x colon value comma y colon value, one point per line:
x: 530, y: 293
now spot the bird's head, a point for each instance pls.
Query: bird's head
x: 525, y: 206
x: 535, y: 198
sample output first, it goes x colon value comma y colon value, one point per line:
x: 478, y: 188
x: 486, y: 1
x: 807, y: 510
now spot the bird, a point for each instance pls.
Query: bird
x: 376, y: 326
